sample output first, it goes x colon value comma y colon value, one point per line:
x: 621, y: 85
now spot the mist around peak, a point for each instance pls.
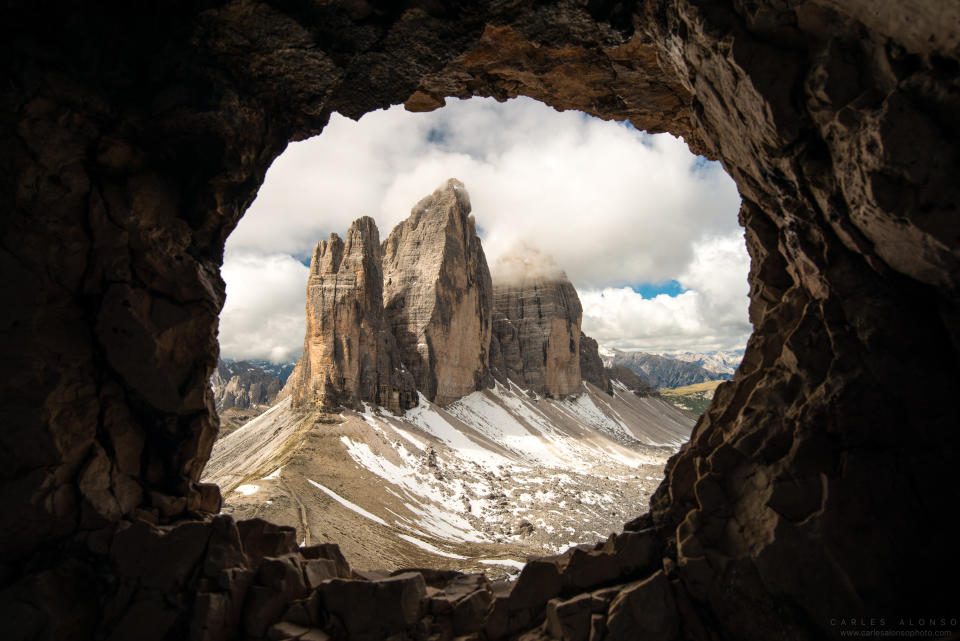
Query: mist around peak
x: 524, y: 262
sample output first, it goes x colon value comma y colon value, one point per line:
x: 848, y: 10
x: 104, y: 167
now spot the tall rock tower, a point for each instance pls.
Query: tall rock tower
x: 438, y: 295
x: 349, y: 356
x: 536, y: 324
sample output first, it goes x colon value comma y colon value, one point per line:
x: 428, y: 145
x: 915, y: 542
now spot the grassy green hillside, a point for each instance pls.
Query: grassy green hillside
x: 692, y: 398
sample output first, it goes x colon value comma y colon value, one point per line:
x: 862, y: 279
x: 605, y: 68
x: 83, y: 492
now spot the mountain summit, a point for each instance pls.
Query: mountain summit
x: 443, y: 417
x: 349, y: 355
x: 438, y: 295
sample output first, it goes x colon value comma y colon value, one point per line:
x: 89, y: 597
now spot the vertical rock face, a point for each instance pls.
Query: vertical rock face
x: 348, y: 356
x: 536, y: 323
x: 591, y: 366
x: 438, y: 295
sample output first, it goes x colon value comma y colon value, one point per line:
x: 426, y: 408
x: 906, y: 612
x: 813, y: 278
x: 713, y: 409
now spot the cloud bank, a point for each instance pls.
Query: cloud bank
x: 612, y: 205
x: 711, y: 315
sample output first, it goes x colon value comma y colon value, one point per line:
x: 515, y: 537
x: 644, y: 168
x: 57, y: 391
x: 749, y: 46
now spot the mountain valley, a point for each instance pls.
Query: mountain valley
x: 443, y: 413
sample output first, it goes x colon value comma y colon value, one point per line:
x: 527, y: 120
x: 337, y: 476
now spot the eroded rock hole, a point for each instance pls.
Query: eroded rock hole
x: 500, y: 372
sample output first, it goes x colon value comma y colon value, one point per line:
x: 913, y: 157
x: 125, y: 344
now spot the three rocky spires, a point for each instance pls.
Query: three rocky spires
x: 420, y: 312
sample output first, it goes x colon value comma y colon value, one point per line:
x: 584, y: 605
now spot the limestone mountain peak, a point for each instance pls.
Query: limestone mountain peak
x: 348, y: 354
x: 536, y: 324
x: 438, y: 294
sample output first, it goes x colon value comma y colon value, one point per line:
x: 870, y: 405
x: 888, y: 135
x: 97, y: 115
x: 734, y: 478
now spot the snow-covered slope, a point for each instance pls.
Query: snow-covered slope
x: 719, y: 362
x: 481, y: 483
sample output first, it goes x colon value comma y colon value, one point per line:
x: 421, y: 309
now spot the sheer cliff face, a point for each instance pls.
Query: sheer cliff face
x: 536, y: 324
x: 438, y: 295
x: 591, y: 366
x: 347, y: 355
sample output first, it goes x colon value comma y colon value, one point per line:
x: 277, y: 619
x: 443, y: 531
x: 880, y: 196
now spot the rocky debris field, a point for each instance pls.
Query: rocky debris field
x: 479, y: 485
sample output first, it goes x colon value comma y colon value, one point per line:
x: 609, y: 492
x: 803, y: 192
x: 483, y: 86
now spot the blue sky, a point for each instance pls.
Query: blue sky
x: 646, y: 231
x: 652, y: 290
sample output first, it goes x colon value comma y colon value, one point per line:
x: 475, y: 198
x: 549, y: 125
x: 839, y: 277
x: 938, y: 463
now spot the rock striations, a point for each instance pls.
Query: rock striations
x: 591, y: 365
x: 438, y: 295
x: 421, y: 313
x: 536, y: 324
x: 349, y: 355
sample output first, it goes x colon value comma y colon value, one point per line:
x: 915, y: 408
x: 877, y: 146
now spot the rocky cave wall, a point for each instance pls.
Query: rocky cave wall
x: 135, y: 135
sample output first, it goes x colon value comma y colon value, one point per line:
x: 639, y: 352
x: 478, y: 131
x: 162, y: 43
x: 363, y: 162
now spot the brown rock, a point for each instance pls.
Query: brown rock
x: 539, y: 581
x: 598, y: 627
x: 634, y: 551
x: 644, y: 610
x: 317, y: 570
x: 570, y: 620
x: 835, y: 119
x: 330, y: 552
x: 261, y: 609
x: 536, y: 320
x: 261, y: 539
x: 284, y: 575
x: 348, y: 356
x: 437, y: 295
x: 591, y: 366
x: 370, y: 610
x: 586, y: 570
x: 286, y: 630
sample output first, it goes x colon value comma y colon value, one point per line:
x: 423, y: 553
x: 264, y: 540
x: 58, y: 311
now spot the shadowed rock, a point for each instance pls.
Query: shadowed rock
x: 591, y: 365
x: 536, y: 321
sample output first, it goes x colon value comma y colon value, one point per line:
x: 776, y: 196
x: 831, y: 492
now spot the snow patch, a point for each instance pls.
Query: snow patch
x: 507, y: 562
x: 248, y: 490
x: 347, y: 504
x: 423, y: 545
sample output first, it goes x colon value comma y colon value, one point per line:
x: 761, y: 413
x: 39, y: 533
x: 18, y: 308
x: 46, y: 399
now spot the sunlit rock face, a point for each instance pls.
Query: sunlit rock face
x: 437, y: 295
x: 813, y: 488
x: 536, y: 322
x: 349, y: 354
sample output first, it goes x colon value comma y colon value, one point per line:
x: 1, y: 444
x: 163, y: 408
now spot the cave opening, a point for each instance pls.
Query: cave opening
x: 133, y: 141
x: 644, y: 235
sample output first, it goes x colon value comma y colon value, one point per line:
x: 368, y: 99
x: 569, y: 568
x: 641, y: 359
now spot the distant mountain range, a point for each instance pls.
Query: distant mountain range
x: 244, y: 384
x: 720, y: 362
x: 665, y: 371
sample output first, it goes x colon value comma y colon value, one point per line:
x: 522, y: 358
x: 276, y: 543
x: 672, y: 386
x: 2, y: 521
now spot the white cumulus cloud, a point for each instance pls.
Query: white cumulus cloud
x: 612, y: 205
x: 263, y: 317
x: 710, y: 315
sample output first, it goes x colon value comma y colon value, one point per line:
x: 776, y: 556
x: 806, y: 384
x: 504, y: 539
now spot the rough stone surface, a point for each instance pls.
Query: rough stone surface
x: 437, y: 295
x: 134, y: 136
x: 645, y: 610
x: 536, y: 322
x: 371, y: 610
x: 348, y: 354
x: 591, y: 366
